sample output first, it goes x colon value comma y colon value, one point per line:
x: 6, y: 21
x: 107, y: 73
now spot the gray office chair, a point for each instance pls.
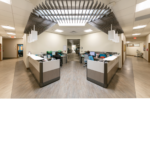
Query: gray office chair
x: 86, y: 58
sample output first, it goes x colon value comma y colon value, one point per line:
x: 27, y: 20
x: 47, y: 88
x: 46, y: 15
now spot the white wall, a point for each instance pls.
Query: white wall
x: 144, y: 41
x: 25, y: 58
x: 1, y: 42
x: 46, y: 42
x: 132, y: 50
x: 10, y: 47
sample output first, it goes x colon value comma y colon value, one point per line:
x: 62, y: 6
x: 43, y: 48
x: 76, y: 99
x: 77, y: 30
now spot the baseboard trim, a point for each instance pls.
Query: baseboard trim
x: 9, y: 57
x: 130, y: 55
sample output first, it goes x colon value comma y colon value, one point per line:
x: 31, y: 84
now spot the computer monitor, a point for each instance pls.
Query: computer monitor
x: 53, y: 53
x: 92, y: 53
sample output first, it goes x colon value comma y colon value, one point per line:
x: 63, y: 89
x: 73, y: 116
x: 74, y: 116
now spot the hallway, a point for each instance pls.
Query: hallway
x: 73, y: 57
x: 132, y: 81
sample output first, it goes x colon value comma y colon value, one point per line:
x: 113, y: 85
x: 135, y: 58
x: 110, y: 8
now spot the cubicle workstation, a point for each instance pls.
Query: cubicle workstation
x: 97, y: 55
x: 63, y: 55
x: 101, y: 73
x: 44, y: 72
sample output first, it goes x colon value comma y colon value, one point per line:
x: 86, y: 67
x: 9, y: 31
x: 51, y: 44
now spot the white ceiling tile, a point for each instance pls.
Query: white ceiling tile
x: 20, y: 11
x: 142, y: 13
x: 123, y: 4
x: 23, y: 4
x: 5, y: 6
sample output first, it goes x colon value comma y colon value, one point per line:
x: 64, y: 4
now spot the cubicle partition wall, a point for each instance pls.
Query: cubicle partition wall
x: 101, y: 73
x: 112, y: 67
x: 45, y: 72
x: 95, y: 72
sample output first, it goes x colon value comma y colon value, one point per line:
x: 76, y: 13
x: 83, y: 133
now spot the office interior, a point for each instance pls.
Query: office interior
x: 74, y: 49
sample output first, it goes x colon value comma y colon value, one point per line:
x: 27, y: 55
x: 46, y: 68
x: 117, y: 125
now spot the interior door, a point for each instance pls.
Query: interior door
x: 0, y: 52
x: 122, y: 52
x: 148, y: 52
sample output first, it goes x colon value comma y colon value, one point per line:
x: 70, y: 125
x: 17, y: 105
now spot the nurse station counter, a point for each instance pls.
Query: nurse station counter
x: 101, y: 73
x: 44, y: 72
x: 98, y: 72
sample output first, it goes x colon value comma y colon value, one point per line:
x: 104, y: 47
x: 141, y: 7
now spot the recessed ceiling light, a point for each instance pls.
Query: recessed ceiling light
x: 6, y: 1
x: 142, y: 6
x: 89, y: 30
x: 58, y: 30
x: 128, y: 42
x: 8, y: 27
x: 136, y: 34
x: 11, y: 33
x: 139, y: 27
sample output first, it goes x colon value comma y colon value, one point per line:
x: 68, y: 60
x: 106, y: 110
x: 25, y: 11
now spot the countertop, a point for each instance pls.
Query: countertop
x: 35, y: 57
x: 111, y: 58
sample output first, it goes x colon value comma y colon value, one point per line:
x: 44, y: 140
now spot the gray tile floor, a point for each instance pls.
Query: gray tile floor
x: 73, y: 83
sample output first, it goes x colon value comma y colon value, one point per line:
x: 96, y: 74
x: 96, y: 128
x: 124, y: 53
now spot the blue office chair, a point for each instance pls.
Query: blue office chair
x: 86, y: 58
x: 91, y: 58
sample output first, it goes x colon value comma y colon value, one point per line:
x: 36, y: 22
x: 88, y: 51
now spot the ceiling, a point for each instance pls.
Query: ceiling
x: 17, y: 14
x: 124, y: 11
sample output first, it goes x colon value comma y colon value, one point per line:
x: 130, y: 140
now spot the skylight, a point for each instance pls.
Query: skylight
x: 142, y: 6
x: 6, y: 1
x: 72, y: 17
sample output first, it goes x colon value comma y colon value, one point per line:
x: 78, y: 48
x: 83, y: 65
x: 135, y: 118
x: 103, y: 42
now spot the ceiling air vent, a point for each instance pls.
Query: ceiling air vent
x: 73, y: 32
x: 142, y: 17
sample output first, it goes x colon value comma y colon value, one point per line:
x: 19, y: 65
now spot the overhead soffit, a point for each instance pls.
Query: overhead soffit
x: 65, y: 12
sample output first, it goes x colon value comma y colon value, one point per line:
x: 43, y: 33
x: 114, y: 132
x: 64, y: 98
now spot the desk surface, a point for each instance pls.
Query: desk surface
x: 35, y: 57
x: 111, y: 58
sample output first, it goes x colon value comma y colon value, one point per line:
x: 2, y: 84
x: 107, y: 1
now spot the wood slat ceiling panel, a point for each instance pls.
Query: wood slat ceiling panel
x: 41, y: 24
x: 104, y: 24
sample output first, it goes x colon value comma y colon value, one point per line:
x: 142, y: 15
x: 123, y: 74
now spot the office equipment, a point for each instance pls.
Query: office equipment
x: 57, y: 56
x: 53, y: 53
x: 49, y: 56
x: 92, y: 53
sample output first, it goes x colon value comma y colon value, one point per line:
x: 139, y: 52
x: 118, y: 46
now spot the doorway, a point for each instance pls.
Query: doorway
x: 19, y: 50
x: 148, y: 52
x: 73, y: 49
x: 122, y: 53
x: 0, y: 52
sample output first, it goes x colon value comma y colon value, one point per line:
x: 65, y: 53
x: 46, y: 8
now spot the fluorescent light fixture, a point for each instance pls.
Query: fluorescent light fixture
x: 8, y: 27
x: 89, y: 30
x: 139, y: 27
x: 6, y: 1
x: 128, y: 42
x: 142, y: 6
x: 136, y: 34
x: 57, y: 30
x: 11, y: 33
x: 71, y: 24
